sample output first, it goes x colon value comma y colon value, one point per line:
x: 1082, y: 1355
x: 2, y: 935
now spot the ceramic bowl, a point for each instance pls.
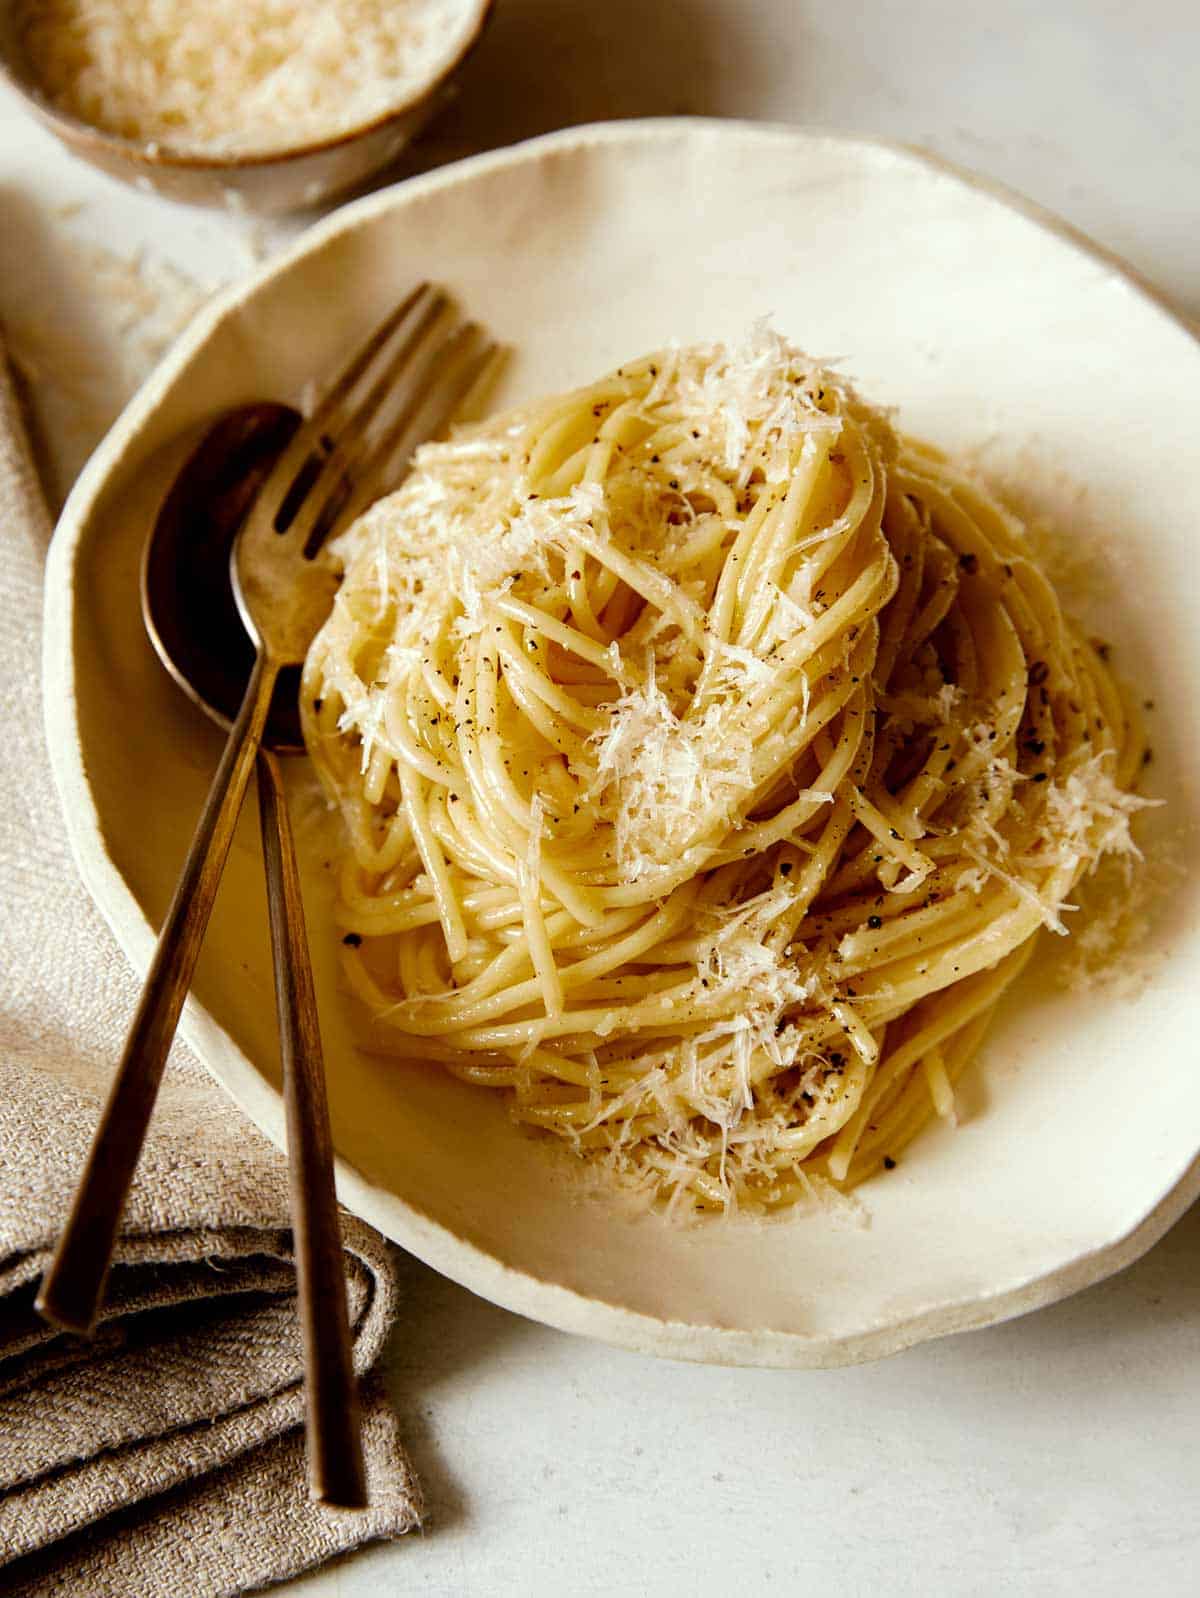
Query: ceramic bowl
x: 285, y: 180
x: 992, y: 330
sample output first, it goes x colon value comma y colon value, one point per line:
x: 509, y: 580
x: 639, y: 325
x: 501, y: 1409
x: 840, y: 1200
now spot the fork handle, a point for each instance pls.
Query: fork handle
x: 336, y: 1472
x: 72, y: 1288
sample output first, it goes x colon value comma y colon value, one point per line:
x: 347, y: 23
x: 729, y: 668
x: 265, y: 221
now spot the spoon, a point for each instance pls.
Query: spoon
x: 194, y: 623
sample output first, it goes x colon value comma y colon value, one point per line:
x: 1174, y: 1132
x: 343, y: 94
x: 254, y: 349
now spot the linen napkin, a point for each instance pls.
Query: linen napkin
x: 166, y: 1454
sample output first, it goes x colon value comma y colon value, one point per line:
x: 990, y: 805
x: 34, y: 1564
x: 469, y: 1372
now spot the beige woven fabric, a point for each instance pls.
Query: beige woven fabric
x: 165, y: 1456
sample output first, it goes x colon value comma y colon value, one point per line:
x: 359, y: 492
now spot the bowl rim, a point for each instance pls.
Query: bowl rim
x: 155, y: 153
x: 447, y: 1251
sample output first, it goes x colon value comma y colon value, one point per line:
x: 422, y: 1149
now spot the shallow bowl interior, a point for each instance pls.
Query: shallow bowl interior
x: 992, y: 331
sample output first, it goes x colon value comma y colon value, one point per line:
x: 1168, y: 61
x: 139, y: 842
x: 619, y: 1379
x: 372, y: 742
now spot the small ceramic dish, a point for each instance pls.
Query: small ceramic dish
x: 991, y: 328
x: 307, y: 174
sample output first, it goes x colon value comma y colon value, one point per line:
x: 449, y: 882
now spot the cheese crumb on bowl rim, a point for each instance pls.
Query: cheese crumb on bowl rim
x: 266, y: 181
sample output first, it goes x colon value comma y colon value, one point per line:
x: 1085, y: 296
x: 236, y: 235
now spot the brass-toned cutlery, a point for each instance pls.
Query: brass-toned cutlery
x: 276, y: 488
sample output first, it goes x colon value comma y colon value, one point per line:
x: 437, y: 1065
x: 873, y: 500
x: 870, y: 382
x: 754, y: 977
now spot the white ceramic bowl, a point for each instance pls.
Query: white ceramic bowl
x: 988, y: 326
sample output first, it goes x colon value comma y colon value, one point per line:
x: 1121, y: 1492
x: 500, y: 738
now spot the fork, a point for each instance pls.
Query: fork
x: 384, y: 400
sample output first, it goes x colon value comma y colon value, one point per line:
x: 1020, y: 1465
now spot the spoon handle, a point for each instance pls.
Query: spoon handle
x: 72, y: 1288
x: 336, y: 1472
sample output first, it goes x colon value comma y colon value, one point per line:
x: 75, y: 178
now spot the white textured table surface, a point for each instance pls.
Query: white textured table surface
x: 1054, y: 1455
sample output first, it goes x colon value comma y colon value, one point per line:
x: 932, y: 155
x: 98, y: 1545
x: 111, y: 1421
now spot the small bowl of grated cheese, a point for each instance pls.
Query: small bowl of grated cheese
x: 261, y: 105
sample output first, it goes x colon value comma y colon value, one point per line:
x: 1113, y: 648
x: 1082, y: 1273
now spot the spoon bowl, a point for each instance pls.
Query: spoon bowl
x: 188, y: 602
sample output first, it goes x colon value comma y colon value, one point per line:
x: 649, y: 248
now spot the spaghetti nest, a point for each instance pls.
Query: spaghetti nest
x: 710, y: 757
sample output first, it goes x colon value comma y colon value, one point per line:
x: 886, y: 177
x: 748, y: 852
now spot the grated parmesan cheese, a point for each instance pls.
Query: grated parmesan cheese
x: 234, y: 77
x: 1089, y: 816
x: 666, y: 772
x: 1086, y: 820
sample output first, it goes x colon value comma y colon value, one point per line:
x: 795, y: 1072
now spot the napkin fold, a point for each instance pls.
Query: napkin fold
x: 166, y: 1454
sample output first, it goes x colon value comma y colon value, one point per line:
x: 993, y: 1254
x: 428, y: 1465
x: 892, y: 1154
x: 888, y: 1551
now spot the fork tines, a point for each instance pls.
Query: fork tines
x: 406, y: 382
